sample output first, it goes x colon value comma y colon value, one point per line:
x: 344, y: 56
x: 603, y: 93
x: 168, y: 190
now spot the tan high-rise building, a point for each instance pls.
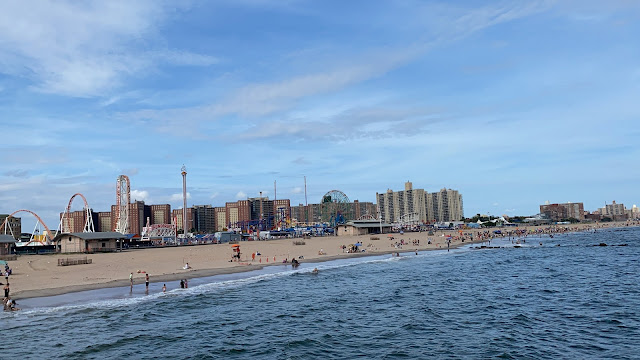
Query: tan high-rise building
x: 407, y: 205
x: 444, y: 205
x: 160, y: 214
x: 416, y: 205
x: 221, y: 218
x: 238, y: 213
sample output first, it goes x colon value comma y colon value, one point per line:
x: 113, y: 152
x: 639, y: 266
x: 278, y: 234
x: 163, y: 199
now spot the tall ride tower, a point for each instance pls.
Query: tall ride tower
x: 184, y: 199
x: 123, y: 198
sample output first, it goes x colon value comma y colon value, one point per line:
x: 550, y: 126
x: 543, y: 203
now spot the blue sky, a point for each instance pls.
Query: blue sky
x: 510, y: 102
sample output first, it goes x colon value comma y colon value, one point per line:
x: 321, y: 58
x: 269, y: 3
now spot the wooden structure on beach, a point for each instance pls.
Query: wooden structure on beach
x: 87, y: 242
x: 74, y: 261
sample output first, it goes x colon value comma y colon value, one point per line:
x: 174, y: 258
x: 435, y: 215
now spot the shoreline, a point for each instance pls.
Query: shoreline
x: 111, y: 270
x: 202, y: 273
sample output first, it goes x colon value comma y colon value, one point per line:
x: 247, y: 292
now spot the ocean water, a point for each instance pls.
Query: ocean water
x: 572, y: 301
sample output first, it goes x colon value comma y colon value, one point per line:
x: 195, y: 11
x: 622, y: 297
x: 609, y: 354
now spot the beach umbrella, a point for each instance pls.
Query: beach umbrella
x: 358, y: 244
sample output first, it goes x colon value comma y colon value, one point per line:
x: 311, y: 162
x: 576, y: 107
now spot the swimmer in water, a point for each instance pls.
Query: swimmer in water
x: 315, y: 270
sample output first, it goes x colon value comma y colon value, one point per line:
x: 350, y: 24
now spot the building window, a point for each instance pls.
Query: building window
x: 104, y: 245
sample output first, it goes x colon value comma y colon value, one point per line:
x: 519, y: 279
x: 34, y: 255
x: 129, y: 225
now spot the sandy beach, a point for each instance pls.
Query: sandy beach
x: 40, y: 275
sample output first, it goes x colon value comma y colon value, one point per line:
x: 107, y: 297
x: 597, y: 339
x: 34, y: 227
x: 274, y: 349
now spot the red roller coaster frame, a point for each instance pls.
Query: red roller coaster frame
x: 4, y: 224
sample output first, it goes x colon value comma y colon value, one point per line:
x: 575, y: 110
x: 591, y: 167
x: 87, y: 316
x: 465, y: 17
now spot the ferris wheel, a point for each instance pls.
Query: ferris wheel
x: 335, y: 204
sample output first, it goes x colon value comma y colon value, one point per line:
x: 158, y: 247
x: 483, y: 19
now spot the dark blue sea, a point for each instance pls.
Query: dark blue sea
x: 564, y: 299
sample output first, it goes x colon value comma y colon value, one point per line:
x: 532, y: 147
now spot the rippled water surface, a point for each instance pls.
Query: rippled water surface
x: 573, y: 301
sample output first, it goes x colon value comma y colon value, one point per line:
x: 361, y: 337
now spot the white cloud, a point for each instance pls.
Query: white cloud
x: 84, y: 49
x: 142, y: 195
x: 241, y: 195
x: 296, y: 190
x: 178, y: 197
x: 214, y: 195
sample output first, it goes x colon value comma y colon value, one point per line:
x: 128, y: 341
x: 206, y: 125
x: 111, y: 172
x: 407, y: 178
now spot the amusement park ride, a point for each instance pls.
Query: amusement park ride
x: 123, y: 198
x: 335, y: 204
x: 66, y: 225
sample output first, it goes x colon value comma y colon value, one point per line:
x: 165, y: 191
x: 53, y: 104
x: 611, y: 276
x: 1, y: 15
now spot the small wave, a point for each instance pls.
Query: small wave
x: 216, y: 286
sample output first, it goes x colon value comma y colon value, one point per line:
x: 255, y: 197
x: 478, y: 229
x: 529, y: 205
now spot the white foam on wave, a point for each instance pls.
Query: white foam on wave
x: 216, y: 286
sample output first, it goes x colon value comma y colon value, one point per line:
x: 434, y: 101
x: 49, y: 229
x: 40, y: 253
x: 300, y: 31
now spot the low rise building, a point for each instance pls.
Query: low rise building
x: 82, y: 242
x: 560, y: 212
x: 7, y: 242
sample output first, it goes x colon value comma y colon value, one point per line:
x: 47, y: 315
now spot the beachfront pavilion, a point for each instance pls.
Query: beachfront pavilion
x: 363, y: 227
x: 88, y: 242
x: 7, y: 242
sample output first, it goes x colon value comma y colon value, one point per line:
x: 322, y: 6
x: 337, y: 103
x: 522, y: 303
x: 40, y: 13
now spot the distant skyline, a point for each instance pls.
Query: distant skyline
x: 512, y: 103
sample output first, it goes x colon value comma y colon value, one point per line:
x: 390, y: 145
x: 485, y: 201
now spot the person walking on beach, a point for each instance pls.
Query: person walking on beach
x: 6, y: 290
x: 131, y: 279
x: 146, y: 281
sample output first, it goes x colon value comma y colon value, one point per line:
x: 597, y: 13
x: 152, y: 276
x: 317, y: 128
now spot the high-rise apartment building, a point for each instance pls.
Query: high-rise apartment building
x: 616, y: 211
x: 396, y: 206
x: 220, y: 218
x: 104, y: 221
x: 160, y: 214
x: 418, y: 205
x: 307, y: 214
x: 204, y: 219
x: 238, y: 214
x: 444, y: 205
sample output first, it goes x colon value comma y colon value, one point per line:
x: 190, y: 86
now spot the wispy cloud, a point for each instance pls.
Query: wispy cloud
x: 241, y: 195
x: 16, y: 173
x: 83, y: 49
x: 277, y: 97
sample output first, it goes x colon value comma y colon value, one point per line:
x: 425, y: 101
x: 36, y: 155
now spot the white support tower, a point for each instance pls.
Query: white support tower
x: 123, y: 198
x: 65, y: 221
x: 185, y: 224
